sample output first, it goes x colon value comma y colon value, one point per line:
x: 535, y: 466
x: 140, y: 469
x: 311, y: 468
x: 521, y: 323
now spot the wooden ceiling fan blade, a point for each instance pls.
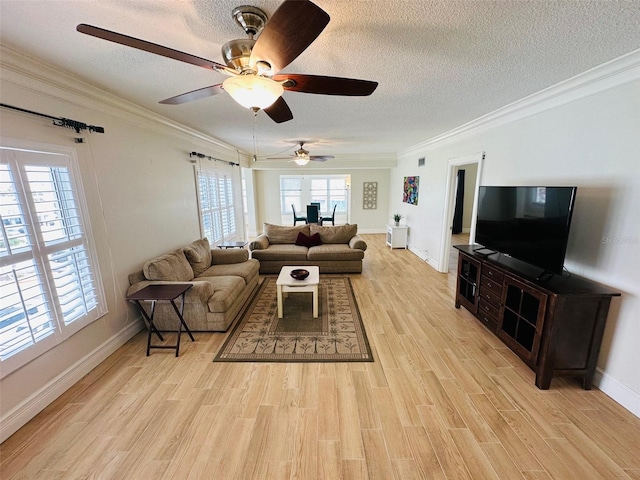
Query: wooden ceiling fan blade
x: 322, y: 85
x: 320, y: 158
x: 194, y: 95
x: 290, y: 30
x: 150, y: 47
x: 279, y: 111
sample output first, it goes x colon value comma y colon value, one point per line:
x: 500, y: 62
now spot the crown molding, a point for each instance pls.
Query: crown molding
x: 30, y: 73
x: 611, y: 74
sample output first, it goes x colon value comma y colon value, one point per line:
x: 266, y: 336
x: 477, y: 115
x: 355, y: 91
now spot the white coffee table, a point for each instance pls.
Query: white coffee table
x: 286, y: 283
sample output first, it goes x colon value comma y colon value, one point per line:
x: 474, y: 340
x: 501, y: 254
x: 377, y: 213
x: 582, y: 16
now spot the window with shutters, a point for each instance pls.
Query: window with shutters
x: 49, y: 279
x: 216, y: 203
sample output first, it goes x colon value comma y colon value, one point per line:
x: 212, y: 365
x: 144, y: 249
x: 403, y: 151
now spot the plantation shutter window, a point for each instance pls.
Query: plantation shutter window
x: 49, y: 280
x: 216, y: 204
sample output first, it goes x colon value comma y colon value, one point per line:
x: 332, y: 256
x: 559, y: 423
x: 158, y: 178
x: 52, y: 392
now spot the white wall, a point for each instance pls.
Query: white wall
x: 267, y: 185
x: 584, y: 132
x: 424, y: 238
x: 140, y: 189
x: 470, y: 174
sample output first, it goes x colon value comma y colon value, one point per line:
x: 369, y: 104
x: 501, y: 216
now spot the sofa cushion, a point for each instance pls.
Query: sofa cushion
x: 246, y: 270
x: 337, y: 234
x: 228, y: 255
x: 172, y: 266
x: 335, y: 252
x: 286, y: 253
x: 282, y: 235
x: 198, y: 254
x: 308, y: 241
x: 226, y: 291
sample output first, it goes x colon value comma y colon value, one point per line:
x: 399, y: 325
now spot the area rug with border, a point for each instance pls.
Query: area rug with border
x: 337, y: 335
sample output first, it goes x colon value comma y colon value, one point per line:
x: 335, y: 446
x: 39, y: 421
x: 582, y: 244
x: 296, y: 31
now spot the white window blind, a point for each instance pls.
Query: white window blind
x: 49, y: 282
x: 216, y: 203
x: 291, y: 194
x: 327, y: 190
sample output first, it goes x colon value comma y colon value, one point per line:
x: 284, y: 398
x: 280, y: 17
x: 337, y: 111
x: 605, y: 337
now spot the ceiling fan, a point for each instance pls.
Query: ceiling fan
x: 253, y: 64
x: 302, y: 157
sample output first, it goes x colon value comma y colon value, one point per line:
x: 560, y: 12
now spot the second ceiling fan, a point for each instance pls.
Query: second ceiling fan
x: 301, y: 156
x: 253, y: 65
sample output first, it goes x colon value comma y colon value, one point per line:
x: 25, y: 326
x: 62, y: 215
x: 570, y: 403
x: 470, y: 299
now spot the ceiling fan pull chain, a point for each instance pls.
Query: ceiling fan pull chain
x: 255, y: 140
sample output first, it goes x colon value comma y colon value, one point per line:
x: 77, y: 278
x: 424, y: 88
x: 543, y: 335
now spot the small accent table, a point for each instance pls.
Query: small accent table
x: 286, y: 283
x: 397, y: 236
x: 232, y: 245
x: 158, y: 293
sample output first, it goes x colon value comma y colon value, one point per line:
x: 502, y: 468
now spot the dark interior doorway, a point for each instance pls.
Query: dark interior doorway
x: 458, y: 211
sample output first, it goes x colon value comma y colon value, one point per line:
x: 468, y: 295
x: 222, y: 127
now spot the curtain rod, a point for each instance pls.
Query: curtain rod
x: 59, y: 121
x: 202, y: 155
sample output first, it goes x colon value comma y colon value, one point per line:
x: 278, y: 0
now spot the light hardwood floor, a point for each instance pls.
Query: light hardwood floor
x: 443, y: 399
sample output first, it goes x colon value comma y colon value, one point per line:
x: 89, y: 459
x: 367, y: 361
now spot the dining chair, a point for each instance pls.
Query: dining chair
x: 332, y: 217
x: 313, y: 214
x: 296, y: 218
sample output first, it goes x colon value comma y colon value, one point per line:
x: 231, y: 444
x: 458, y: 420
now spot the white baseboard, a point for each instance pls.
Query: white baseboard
x: 18, y: 416
x: 618, y: 392
x: 434, y: 264
x: 418, y: 253
x: 424, y: 256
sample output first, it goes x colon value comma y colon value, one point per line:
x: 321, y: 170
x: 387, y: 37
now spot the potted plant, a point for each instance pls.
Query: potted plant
x: 396, y: 218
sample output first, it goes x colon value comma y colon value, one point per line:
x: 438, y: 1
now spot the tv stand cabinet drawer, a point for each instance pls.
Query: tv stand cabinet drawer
x: 490, y: 296
x: 491, y: 285
x: 488, y: 321
x: 488, y: 309
x: 492, y: 273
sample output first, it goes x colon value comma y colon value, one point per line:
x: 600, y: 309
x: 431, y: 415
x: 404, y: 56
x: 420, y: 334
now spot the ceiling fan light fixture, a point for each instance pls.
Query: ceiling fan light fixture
x: 253, y: 91
x: 302, y: 161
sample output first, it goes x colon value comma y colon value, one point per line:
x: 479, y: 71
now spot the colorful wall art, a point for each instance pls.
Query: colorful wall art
x: 410, y: 192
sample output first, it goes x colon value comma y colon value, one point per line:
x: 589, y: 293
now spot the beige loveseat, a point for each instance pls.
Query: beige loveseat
x: 223, y: 281
x: 334, y: 249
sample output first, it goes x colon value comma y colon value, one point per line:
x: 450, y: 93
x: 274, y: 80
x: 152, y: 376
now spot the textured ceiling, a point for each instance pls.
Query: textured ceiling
x: 439, y: 63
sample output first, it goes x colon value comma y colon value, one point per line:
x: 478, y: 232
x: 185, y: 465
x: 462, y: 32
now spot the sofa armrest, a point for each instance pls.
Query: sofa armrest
x: 358, y: 242
x: 136, y: 278
x: 261, y: 242
x: 228, y: 255
x: 199, y: 293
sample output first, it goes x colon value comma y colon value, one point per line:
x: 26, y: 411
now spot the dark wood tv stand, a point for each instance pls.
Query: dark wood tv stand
x: 555, y: 325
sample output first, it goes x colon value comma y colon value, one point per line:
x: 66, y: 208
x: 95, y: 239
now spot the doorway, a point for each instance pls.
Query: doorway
x: 472, y: 165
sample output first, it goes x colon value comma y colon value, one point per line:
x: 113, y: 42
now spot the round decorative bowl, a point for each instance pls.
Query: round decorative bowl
x: 299, y: 273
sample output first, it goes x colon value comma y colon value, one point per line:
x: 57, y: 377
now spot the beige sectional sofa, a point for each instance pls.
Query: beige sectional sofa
x: 223, y: 281
x: 335, y: 249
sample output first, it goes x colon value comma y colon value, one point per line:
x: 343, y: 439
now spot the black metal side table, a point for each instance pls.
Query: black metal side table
x: 226, y: 245
x: 158, y: 293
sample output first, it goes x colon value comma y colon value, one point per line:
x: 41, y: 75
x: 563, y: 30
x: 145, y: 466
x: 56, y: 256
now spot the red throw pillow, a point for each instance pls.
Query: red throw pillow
x: 315, y: 240
x: 305, y: 241
x: 302, y: 240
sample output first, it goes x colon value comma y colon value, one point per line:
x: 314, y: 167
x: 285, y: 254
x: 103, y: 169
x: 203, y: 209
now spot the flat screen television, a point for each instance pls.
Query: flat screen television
x: 527, y: 223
